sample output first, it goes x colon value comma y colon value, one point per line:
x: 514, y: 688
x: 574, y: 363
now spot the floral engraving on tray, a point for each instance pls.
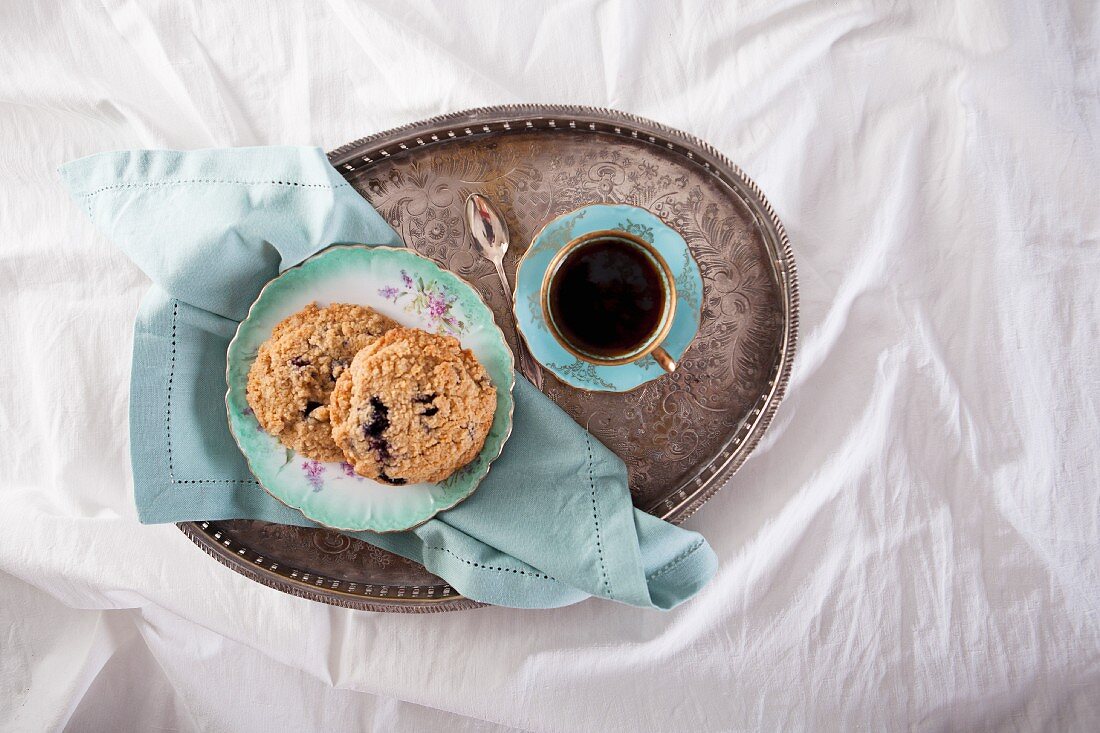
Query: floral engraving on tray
x: 668, y: 426
x: 331, y: 543
x: 312, y: 549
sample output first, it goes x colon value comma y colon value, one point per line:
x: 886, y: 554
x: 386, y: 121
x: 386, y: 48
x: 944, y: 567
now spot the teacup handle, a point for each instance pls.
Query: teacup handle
x: 661, y: 357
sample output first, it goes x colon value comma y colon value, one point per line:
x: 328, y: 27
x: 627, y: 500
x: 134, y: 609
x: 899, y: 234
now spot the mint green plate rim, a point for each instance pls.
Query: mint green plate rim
x: 507, y: 393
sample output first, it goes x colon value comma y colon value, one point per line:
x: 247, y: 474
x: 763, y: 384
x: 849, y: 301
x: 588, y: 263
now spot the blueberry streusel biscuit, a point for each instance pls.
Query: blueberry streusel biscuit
x: 290, y: 382
x: 412, y: 407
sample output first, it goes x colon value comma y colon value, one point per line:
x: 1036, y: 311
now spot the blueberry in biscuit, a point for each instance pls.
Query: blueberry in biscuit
x: 412, y: 407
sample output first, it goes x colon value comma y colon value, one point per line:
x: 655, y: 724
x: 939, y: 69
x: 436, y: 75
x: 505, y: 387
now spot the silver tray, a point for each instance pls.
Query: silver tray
x: 681, y: 436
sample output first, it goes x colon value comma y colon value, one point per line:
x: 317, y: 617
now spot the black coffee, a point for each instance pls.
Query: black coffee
x: 607, y: 298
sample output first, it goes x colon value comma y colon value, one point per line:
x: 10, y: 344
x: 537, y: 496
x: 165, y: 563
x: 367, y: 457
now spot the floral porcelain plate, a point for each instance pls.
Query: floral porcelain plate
x: 413, y: 291
x: 600, y: 217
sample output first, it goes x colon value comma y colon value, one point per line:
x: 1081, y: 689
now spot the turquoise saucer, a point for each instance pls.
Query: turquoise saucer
x: 598, y: 217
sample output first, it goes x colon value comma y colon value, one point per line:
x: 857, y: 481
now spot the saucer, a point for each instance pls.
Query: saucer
x: 564, y: 229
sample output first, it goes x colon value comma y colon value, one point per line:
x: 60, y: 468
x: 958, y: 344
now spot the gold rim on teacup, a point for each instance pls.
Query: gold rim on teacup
x: 652, y: 346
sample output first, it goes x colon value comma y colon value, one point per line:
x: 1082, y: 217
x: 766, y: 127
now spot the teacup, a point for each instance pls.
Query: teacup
x: 609, y: 298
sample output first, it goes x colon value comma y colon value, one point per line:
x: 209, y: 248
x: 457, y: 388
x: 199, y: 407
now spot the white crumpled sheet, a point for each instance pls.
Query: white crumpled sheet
x: 913, y: 545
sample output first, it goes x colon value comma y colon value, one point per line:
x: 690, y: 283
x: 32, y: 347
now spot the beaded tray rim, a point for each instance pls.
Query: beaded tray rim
x: 680, y: 504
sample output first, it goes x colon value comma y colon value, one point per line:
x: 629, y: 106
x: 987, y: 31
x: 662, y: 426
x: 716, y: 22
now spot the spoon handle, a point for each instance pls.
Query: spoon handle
x: 499, y: 264
x: 527, y: 364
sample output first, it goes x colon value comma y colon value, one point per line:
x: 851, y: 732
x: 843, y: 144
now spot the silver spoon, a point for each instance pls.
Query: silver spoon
x: 491, y: 234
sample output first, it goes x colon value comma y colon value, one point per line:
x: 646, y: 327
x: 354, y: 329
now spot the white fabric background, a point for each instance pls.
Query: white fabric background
x: 916, y: 543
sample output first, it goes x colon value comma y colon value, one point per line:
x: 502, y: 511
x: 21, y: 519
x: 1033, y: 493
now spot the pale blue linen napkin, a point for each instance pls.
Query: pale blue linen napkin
x: 550, y: 525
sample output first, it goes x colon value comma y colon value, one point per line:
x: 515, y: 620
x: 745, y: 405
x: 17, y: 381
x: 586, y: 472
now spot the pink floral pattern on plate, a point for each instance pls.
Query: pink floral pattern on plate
x: 315, y: 474
x: 429, y: 300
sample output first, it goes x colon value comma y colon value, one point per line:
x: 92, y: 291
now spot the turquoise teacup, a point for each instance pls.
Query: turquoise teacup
x: 609, y: 298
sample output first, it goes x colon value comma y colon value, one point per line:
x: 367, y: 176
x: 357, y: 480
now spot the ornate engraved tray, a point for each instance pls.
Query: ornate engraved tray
x: 681, y: 436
